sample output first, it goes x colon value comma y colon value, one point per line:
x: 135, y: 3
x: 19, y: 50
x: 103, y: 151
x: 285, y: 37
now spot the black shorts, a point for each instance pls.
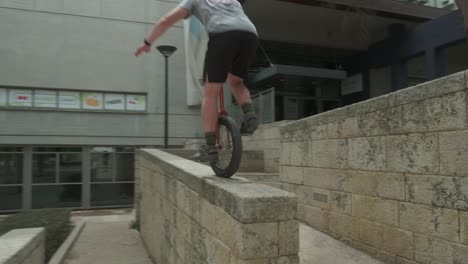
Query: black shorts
x: 229, y: 52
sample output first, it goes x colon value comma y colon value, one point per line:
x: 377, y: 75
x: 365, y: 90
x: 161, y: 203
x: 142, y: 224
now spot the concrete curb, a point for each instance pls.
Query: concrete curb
x: 63, y: 250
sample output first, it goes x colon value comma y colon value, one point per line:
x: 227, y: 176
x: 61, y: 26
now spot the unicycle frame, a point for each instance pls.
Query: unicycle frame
x: 222, y: 111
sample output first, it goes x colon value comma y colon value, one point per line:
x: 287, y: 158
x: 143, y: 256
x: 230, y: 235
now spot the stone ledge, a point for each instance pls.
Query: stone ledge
x: 443, y: 86
x: 17, y: 245
x: 245, y: 201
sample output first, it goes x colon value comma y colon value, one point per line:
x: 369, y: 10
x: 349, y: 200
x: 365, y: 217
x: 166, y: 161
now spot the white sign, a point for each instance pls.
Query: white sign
x: 92, y: 100
x: 20, y: 97
x: 3, y: 97
x: 114, y: 102
x: 351, y: 85
x: 69, y: 100
x: 136, y: 102
x: 44, y: 98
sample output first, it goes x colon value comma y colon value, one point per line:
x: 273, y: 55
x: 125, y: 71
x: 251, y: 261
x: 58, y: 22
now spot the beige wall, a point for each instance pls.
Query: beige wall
x: 389, y: 175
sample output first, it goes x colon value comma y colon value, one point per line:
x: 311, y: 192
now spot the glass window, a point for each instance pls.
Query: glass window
x: 44, y: 168
x: 57, y: 149
x: 112, y: 194
x: 102, y: 167
x: 10, y: 198
x: 70, y: 167
x: 125, y: 167
x: 11, y: 149
x: 53, y: 196
x: 11, y: 168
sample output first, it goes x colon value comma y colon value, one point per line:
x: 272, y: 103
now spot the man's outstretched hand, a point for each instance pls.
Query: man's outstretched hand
x: 142, y: 48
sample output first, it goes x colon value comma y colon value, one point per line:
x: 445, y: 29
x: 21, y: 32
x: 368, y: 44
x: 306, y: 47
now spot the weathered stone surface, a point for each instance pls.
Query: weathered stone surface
x: 288, y: 238
x: 440, y: 191
x: 430, y: 250
x: 284, y: 260
x: 19, y: 246
x: 417, y: 153
x: 258, y: 240
x: 295, y: 154
x: 436, y: 114
x: 375, y: 209
x: 249, y: 202
x: 437, y: 222
x: 363, y: 182
x: 400, y: 260
x: 391, y: 185
x: 370, y: 233
x: 344, y: 128
x: 314, y: 196
x: 446, y: 85
x: 293, y: 175
x: 464, y: 227
x: 326, y: 178
x: 318, y: 132
x: 398, y: 241
x: 341, y: 202
x: 313, y: 216
x: 344, y: 225
x: 367, y: 153
x: 454, y: 153
x: 384, y: 122
x: 376, y: 253
x: 329, y: 153
x: 460, y: 253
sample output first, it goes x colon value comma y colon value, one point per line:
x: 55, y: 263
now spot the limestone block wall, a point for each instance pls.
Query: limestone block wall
x: 23, y: 246
x: 187, y: 215
x: 389, y: 175
x: 267, y: 139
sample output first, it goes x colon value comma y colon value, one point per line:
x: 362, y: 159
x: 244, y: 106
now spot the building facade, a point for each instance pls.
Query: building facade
x: 75, y: 102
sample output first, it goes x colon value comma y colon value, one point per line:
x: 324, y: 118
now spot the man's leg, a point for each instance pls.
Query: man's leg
x: 242, y: 95
x: 210, y: 119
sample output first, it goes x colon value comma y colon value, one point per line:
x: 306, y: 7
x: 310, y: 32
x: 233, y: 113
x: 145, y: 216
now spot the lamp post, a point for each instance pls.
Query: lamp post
x: 166, y: 51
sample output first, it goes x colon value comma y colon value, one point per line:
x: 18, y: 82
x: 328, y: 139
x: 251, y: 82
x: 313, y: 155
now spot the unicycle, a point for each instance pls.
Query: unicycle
x: 228, y: 142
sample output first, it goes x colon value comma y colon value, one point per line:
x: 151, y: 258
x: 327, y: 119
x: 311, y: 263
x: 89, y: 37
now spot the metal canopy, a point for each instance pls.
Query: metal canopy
x: 298, y: 71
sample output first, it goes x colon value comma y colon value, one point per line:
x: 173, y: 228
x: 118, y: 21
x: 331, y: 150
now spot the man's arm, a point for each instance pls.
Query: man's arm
x: 161, y: 26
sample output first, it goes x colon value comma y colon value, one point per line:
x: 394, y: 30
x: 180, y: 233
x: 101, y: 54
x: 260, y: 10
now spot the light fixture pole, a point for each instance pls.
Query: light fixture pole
x: 166, y: 51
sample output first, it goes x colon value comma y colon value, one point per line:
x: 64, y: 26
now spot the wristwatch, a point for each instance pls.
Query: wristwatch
x: 147, y: 43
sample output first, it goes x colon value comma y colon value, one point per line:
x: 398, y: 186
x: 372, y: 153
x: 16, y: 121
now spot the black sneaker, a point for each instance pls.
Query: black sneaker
x: 249, y: 124
x: 208, y: 153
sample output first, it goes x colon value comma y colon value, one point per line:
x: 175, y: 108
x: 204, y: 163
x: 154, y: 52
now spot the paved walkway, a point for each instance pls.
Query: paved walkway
x: 108, y: 239
x: 319, y: 248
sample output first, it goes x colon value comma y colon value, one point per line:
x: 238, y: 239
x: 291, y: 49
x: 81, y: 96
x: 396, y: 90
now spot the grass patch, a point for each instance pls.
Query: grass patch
x: 55, y: 221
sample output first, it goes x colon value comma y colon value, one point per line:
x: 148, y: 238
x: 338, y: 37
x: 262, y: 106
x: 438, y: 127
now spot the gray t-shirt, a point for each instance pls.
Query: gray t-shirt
x: 219, y: 15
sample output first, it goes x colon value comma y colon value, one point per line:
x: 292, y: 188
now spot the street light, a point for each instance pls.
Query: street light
x: 166, y: 51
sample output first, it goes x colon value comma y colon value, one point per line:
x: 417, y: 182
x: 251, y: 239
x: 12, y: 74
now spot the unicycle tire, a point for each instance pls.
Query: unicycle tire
x: 226, y: 171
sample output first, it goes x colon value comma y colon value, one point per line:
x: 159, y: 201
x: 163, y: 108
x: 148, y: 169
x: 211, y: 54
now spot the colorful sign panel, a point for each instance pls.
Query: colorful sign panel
x: 92, y: 100
x: 136, y: 102
x: 69, y: 100
x: 44, y: 98
x: 19, y: 97
x: 114, y: 102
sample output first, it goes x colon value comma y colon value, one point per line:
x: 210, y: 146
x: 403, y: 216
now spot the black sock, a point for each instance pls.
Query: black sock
x: 210, y: 138
x: 247, y: 107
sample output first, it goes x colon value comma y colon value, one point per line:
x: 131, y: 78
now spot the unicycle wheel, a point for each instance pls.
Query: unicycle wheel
x: 229, y: 148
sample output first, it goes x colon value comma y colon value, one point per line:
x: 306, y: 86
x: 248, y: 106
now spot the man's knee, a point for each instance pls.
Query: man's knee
x: 235, y: 82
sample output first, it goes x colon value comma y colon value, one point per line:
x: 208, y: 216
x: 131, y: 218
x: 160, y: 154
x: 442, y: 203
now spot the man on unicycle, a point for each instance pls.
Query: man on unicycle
x: 232, y: 44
